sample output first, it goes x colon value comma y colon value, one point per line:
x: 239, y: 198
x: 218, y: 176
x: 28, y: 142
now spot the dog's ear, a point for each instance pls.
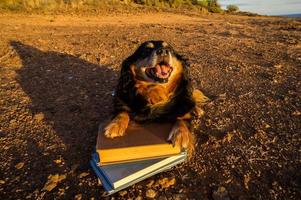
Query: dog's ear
x: 186, y: 78
x: 126, y: 76
x: 125, y: 87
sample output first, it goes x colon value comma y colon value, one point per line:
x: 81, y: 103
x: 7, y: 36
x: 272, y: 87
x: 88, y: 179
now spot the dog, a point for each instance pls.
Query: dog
x: 155, y: 86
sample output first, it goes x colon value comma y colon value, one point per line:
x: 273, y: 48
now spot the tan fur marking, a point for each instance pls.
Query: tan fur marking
x: 150, y: 45
x: 186, y: 116
x: 164, y: 44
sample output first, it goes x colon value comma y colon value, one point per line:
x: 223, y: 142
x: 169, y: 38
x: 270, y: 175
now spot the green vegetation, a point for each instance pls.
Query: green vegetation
x: 210, y: 5
x: 232, y: 8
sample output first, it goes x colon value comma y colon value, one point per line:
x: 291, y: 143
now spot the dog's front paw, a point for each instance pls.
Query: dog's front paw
x: 181, y: 136
x: 117, y: 126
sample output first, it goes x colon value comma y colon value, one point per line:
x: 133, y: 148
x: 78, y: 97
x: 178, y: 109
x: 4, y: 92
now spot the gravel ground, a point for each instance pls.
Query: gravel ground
x: 57, y: 74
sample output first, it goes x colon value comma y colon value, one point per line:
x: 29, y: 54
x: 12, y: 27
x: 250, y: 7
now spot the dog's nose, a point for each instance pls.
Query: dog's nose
x: 162, y: 52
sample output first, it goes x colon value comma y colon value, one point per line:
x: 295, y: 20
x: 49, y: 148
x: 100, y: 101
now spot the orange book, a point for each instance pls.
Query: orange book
x: 141, y: 141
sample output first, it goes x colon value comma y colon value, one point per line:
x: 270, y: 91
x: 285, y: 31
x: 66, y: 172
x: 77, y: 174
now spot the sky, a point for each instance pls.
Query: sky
x: 266, y: 7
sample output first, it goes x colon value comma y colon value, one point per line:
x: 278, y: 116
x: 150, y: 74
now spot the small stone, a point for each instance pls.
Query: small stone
x: 61, y: 191
x: 39, y: 117
x: 138, y: 198
x: 247, y: 180
x: 99, y: 183
x: 19, y: 165
x: 278, y: 66
x: 228, y: 181
x: 13, y: 123
x: 58, y: 161
x: 162, y: 197
x: 220, y: 194
x: 178, y: 196
x: 78, y: 197
x: 123, y: 193
x: 2, y: 182
x: 52, y: 181
x: 150, y: 193
x: 166, y: 182
x: 150, y: 183
x: 84, y: 174
x: 228, y: 137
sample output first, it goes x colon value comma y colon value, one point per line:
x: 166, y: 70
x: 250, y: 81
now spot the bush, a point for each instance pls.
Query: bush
x: 203, y: 3
x: 213, y: 6
x: 232, y: 8
x: 216, y: 9
x: 11, y: 5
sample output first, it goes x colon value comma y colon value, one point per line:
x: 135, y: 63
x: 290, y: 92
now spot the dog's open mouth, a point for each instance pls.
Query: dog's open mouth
x: 160, y: 72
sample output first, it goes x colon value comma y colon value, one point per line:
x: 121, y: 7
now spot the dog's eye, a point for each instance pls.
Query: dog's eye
x: 150, y: 45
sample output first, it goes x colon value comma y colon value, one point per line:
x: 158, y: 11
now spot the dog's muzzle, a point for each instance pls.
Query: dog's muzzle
x: 162, y: 69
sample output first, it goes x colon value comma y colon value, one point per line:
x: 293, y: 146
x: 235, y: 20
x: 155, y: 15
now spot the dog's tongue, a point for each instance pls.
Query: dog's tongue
x: 158, y: 69
x: 162, y: 70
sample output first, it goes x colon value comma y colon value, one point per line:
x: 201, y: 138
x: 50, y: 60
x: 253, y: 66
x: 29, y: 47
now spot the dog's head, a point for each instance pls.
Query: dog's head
x: 156, y: 62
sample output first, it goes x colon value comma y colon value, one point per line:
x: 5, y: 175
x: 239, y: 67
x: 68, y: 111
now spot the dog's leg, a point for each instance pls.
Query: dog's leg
x: 117, y: 126
x: 180, y: 135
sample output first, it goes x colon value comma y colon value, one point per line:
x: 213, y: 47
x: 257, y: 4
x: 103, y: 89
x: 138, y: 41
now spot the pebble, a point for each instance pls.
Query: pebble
x: 123, y: 193
x: 78, y: 196
x: 220, y: 194
x: 84, y: 174
x: 150, y: 183
x: 138, y: 198
x: 166, y: 182
x: 53, y: 181
x: 150, y: 193
x: 19, y: 165
x: 39, y: 117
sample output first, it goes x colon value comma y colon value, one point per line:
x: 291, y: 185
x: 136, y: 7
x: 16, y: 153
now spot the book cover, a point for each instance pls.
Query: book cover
x: 140, y: 142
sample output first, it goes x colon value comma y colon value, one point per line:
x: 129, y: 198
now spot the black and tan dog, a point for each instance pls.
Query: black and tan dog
x: 154, y: 85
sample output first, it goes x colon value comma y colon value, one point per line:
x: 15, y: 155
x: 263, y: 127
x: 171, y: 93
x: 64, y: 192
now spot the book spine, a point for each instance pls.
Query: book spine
x: 97, y: 169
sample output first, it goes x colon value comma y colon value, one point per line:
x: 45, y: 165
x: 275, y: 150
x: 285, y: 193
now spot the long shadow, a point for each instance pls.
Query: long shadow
x: 68, y: 93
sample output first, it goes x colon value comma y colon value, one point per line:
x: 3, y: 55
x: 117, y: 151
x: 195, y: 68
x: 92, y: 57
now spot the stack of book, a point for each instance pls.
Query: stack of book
x: 142, y: 152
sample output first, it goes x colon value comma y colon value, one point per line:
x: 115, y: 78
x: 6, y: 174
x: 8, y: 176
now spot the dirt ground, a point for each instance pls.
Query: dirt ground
x: 57, y: 74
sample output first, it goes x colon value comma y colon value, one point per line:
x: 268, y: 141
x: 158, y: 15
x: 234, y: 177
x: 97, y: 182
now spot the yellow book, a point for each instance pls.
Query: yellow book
x: 141, y: 141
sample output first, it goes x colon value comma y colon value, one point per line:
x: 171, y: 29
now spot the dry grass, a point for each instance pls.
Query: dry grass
x: 56, y: 5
